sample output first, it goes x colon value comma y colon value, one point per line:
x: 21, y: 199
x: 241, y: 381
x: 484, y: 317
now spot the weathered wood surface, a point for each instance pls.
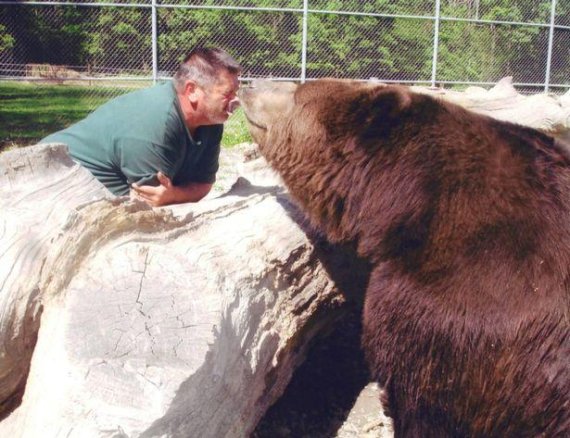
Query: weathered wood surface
x: 39, y: 189
x: 182, y: 321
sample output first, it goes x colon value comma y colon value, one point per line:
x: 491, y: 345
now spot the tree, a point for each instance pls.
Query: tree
x: 120, y: 40
x: 45, y: 34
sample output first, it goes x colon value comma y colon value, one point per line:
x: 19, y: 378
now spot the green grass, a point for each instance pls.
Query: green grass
x: 235, y: 130
x: 29, y: 112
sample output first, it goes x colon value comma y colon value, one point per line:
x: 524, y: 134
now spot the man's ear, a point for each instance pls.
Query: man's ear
x: 191, y: 90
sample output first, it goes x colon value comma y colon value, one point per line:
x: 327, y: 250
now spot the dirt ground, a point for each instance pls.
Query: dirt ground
x: 330, y: 395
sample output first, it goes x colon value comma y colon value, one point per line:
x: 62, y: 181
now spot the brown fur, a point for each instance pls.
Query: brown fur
x: 466, y: 222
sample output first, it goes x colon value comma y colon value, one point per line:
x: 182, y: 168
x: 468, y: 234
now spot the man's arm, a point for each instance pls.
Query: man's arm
x: 166, y: 193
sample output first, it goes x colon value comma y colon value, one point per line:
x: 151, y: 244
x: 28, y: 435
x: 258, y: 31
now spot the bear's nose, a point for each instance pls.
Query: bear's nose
x: 233, y: 104
x: 242, y: 90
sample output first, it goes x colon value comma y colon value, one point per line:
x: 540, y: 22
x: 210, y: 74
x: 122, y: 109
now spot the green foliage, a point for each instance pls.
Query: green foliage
x: 263, y: 42
x: 49, y: 34
x: 412, y: 48
x: 120, y: 39
x: 6, y: 40
x: 485, y: 51
x: 268, y: 43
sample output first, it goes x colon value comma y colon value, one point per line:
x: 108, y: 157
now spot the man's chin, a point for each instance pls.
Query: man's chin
x: 218, y: 121
x: 224, y: 118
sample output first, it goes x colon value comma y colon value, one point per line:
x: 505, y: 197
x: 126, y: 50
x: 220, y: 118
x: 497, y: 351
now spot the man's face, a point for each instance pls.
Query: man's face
x: 217, y: 101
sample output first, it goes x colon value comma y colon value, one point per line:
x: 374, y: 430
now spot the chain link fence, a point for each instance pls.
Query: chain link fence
x: 120, y: 44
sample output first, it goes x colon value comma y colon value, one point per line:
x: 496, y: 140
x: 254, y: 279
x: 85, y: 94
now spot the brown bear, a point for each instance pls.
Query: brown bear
x: 466, y: 223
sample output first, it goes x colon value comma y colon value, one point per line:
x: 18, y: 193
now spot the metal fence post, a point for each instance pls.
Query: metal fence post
x: 304, y: 43
x: 435, y: 42
x: 550, y: 42
x: 154, y: 43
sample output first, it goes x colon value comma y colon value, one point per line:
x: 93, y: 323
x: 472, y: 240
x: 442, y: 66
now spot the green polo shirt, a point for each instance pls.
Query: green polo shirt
x: 132, y: 137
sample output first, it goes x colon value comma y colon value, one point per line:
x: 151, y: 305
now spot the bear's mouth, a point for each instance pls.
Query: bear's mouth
x: 252, y: 123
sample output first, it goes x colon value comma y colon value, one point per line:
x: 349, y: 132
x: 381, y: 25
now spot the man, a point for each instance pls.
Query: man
x: 161, y: 144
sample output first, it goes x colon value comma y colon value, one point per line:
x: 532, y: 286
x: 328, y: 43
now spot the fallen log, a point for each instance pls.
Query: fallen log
x: 546, y: 112
x: 181, y: 321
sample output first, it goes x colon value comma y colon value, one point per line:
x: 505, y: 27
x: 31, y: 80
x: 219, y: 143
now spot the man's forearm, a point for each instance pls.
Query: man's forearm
x: 167, y: 193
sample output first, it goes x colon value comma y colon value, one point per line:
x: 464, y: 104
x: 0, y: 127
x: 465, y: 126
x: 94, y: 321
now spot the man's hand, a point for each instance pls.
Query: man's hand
x: 163, y: 194
x: 166, y: 193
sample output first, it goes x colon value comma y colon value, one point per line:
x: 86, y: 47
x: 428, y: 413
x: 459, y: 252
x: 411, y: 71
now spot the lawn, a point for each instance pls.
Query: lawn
x: 29, y: 112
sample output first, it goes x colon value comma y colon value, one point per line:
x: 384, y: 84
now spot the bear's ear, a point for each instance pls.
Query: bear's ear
x: 366, y: 112
x: 390, y: 102
x: 385, y: 109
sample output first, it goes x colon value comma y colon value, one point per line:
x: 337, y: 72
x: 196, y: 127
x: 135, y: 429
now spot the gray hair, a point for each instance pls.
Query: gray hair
x: 202, y: 66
